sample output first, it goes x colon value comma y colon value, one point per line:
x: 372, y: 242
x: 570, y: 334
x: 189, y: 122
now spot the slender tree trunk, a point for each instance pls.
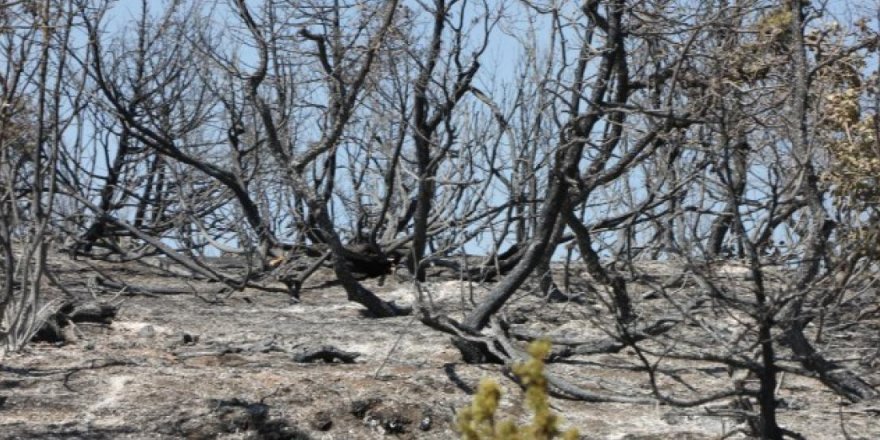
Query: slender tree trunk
x: 843, y: 381
x: 108, y: 192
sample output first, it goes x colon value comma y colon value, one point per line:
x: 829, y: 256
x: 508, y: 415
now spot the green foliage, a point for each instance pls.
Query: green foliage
x: 776, y: 24
x: 478, y: 421
x: 854, y: 174
x: 754, y: 59
x: 846, y: 100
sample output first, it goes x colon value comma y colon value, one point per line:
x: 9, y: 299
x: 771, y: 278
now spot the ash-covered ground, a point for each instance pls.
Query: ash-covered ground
x: 209, y: 365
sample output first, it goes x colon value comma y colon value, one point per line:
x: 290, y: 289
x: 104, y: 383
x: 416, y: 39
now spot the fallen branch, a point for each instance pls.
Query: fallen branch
x: 326, y: 353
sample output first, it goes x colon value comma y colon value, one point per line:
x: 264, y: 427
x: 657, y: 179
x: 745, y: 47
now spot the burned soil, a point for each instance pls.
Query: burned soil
x: 250, y: 364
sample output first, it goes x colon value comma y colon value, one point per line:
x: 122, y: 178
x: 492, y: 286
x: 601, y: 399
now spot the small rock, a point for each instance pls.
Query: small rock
x: 372, y: 422
x: 321, y: 421
x: 391, y: 421
x: 425, y: 423
x: 395, y: 425
x: 359, y: 408
x: 147, y: 331
x: 188, y: 339
x: 239, y: 415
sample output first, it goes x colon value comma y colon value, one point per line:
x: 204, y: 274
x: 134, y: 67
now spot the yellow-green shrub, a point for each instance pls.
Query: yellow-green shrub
x: 478, y: 421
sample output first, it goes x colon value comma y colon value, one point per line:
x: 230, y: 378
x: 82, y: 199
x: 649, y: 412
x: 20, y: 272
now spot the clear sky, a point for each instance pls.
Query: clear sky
x: 502, y: 61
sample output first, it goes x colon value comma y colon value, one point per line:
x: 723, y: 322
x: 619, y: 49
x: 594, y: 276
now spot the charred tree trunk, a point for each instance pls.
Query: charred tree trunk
x: 564, y: 171
x: 733, y: 173
x: 425, y: 126
x: 843, y: 381
x: 620, y: 298
x: 99, y: 226
x: 355, y: 291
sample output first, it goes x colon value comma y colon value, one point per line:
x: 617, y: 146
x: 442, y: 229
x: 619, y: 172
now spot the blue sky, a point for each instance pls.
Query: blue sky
x: 501, y: 62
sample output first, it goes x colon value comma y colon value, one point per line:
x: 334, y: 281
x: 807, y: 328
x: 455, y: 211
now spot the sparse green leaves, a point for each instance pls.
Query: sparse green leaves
x: 479, y: 420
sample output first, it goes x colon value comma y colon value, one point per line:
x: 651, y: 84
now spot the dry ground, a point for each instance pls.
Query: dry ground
x: 184, y: 366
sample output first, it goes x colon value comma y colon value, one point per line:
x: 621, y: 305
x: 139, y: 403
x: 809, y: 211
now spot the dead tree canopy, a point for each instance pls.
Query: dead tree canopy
x: 521, y: 147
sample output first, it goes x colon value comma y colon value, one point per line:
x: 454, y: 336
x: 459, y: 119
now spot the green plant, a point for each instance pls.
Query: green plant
x: 478, y: 421
x: 850, y: 137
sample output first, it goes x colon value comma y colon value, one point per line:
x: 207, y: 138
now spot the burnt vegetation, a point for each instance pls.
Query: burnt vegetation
x: 696, y: 179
